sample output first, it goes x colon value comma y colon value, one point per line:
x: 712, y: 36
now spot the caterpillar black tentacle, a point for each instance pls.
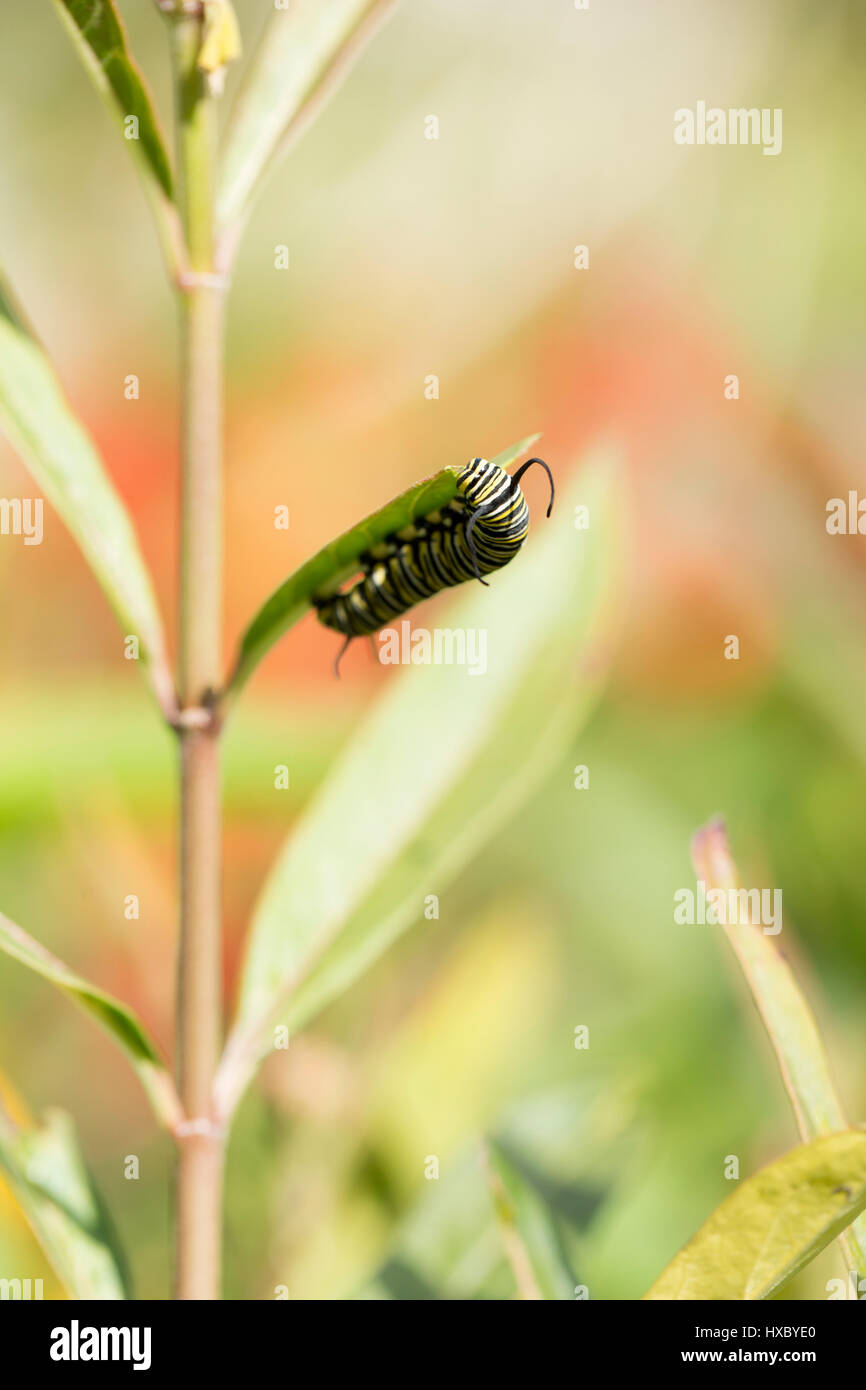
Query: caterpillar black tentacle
x: 480, y: 531
x: 473, y: 522
x: 340, y: 654
x: 515, y: 478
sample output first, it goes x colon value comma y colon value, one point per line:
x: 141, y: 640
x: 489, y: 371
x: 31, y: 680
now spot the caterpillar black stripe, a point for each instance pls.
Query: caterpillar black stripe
x: 476, y: 533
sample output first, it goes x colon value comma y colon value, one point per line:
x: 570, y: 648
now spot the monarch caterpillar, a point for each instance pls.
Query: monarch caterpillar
x: 478, y: 532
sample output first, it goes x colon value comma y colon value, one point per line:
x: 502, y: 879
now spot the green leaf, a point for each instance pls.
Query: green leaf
x: 98, y: 35
x: 50, y: 1181
x: 773, y: 1224
x: 38, y: 422
x: 339, y: 561
x: 434, y: 771
x: 785, y: 1012
x: 114, y: 1016
x: 303, y: 55
x: 529, y: 1230
x: 571, y: 1142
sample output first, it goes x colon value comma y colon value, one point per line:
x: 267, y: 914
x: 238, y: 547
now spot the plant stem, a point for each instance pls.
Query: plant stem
x: 199, y: 991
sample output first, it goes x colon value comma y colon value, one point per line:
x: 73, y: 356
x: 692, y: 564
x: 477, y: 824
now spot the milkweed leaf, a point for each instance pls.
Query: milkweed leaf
x: 98, y: 35
x: 37, y: 420
x: 114, y: 1016
x: 48, y: 1177
x: 352, y: 876
x: 773, y: 1224
x: 338, y: 561
x: 303, y: 54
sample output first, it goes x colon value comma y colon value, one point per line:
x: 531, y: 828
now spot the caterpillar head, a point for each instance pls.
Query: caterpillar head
x: 478, y: 468
x: 476, y: 474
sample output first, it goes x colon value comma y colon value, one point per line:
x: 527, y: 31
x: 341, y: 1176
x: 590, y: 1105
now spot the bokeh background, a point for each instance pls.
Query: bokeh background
x: 455, y: 257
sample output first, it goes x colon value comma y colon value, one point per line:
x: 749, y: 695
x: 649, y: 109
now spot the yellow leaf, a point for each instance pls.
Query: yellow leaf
x: 773, y: 1224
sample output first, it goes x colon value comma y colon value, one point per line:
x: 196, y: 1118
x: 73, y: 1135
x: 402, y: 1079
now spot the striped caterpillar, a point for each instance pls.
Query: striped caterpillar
x: 478, y: 532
